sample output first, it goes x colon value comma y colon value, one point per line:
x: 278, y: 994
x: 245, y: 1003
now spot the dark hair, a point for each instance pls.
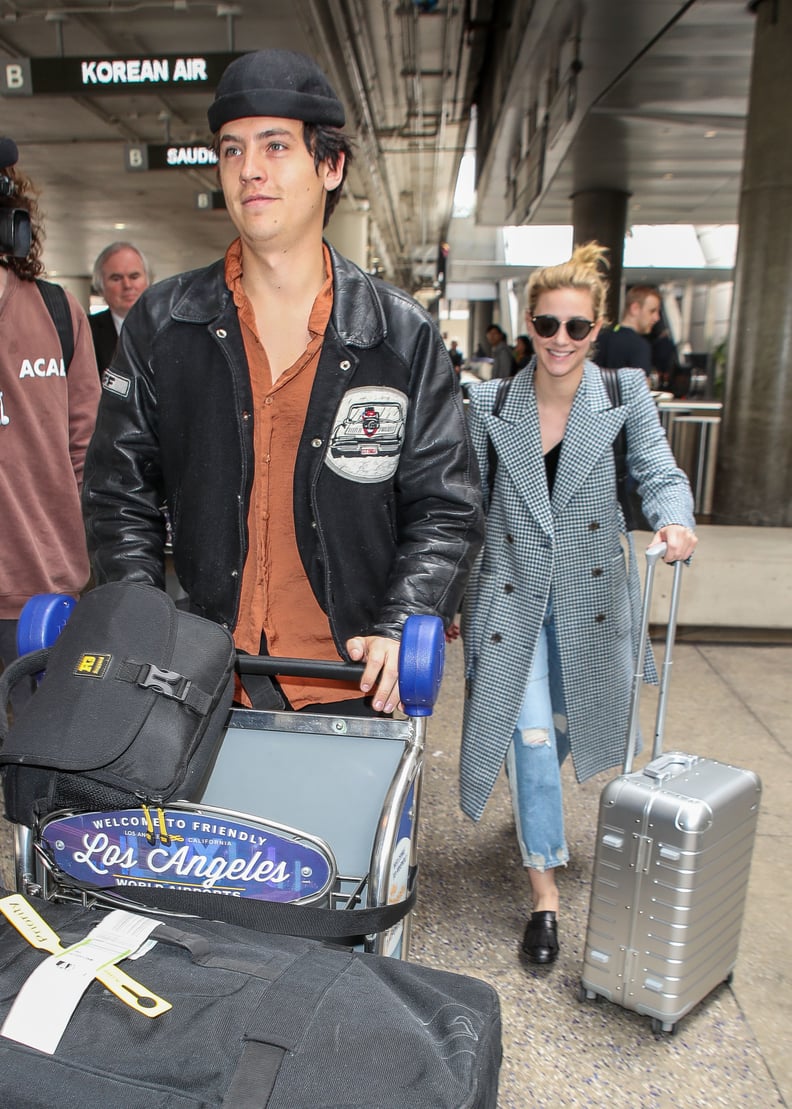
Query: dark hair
x: 327, y: 144
x: 25, y: 196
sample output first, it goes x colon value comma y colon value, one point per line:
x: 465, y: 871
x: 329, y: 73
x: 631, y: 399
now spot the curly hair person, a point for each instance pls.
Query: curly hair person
x: 25, y: 197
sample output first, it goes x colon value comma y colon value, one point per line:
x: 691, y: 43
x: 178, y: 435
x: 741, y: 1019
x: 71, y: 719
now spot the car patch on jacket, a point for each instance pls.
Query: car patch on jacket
x: 368, y: 432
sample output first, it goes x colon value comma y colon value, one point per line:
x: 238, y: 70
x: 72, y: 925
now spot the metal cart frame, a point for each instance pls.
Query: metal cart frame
x: 346, y: 788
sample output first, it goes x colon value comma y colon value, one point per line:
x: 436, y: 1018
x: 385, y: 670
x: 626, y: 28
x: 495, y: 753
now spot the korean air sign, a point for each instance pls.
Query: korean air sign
x: 77, y: 76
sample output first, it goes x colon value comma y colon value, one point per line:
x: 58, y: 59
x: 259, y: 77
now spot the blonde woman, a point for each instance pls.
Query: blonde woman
x: 551, y: 615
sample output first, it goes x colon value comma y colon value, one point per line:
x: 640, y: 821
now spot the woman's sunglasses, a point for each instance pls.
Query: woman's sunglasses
x: 577, y: 328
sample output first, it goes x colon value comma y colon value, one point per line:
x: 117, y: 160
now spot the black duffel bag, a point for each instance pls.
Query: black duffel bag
x: 258, y: 1022
x: 131, y: 708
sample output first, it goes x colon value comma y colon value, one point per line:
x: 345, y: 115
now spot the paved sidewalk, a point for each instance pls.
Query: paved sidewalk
x: 729, y: 702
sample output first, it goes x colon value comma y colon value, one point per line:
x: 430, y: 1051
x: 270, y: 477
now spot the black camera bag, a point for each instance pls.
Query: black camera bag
x: 130, y: 710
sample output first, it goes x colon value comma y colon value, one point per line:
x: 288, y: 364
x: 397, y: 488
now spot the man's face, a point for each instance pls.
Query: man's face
x: 493, y: 336
x: 274, y: 193
x: 123, y: 280
x: 647, y: 315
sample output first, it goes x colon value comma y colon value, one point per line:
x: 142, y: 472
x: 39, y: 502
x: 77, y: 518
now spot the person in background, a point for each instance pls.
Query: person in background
x: 502, y: 361
x: 47, y: 413
x: 120, y: 275
x: 552, y: 614
x: 523, y: 352
x: 456, y: 355
x: 301, y: 419
x: 628, y: 343
x: 666, y: 363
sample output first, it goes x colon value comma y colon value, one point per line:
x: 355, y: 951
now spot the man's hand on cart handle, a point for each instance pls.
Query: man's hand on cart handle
x: 680, y: 542
x: 381, y: 658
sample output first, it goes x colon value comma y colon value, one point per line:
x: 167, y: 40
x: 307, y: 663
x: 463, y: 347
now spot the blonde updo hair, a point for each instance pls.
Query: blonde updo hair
x: 584, y: 270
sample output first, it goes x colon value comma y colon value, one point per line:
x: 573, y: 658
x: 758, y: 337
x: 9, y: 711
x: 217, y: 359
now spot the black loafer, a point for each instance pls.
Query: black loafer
x: 540, y: 942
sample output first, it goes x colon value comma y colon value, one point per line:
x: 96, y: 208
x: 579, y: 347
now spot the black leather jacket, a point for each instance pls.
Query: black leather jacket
x: 386, y: 495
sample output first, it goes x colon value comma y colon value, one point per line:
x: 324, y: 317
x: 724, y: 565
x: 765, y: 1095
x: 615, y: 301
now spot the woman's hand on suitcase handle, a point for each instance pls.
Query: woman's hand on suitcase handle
x: 381, y: 658
x: 680, y: 542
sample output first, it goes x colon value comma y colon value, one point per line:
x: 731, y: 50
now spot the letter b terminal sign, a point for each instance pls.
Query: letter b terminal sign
x: 16, y: 79
x: 136, y: 159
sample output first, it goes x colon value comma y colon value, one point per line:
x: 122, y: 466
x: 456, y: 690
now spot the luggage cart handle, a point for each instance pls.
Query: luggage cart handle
x: 416, y: 654
x: 421, y: 662
x: 421, y: 654
x: 653, y: 556
x: 299, y: 667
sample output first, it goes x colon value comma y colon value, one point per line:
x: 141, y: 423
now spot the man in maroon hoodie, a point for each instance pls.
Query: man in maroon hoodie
x: 48, y: 406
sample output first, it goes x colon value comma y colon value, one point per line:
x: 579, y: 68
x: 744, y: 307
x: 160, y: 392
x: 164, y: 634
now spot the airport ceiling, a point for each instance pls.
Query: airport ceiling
x: 644, y: 96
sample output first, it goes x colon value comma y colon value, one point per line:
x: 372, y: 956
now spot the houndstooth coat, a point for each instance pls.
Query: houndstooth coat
x: 571, y: 546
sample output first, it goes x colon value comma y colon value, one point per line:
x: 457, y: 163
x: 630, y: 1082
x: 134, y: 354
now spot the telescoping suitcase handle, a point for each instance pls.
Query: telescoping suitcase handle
x: 653, y: 556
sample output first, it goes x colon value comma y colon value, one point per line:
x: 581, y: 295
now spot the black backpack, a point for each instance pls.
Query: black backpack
x: 54, y: 296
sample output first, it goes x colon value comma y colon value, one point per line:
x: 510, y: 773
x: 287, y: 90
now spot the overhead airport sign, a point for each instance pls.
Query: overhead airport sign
x: 172, y: 72
x: 210, y: 201
x: 168, y: 156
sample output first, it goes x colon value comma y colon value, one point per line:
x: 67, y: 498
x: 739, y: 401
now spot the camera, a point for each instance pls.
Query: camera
x: 15, y: 233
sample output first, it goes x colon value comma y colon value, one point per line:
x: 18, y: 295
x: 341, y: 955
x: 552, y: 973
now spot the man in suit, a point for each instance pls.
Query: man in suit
x: 120, y: 274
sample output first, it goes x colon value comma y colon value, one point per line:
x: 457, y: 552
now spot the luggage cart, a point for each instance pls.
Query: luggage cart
x: 317, y: 810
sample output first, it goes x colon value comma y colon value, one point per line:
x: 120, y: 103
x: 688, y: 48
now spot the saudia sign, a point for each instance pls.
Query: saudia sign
x: 168, y: 156
x: 26, y: 76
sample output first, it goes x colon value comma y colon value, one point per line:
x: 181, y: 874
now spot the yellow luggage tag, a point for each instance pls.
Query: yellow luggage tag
x: 18, y: 911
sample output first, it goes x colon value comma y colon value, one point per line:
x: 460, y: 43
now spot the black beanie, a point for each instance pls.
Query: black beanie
x: 275, y: 83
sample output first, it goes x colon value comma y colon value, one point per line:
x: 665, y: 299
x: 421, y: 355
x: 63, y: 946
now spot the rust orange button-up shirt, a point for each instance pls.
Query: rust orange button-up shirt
x: 276, y: 596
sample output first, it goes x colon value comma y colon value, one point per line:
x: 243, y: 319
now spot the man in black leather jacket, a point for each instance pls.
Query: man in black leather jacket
x: 282, y: 400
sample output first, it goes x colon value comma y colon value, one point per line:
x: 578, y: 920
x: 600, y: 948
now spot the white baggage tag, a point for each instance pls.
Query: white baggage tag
x: 19, y: 912
x: 56, y: 986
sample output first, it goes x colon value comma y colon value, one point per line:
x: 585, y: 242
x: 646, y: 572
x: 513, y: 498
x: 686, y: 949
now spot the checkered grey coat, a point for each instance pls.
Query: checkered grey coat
x: 569, y: 547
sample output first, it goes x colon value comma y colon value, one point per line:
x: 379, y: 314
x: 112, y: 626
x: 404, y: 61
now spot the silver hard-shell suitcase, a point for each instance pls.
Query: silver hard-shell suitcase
x: 673, y: 852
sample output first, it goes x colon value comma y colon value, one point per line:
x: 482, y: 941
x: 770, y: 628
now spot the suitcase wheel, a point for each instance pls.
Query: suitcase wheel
x: 42, y: 620
x: 660, y: 1026
x: 584, y: 994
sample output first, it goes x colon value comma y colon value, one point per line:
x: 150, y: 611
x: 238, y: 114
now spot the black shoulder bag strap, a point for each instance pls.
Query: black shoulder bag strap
x: 611, y: 381
x: 492, y: 454
x: 54, y: 296
x: 312, y: 922
x: 22, y: 667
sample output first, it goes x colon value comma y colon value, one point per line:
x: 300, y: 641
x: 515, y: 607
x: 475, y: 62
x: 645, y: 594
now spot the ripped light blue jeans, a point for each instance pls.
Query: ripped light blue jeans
x: 533, y: 762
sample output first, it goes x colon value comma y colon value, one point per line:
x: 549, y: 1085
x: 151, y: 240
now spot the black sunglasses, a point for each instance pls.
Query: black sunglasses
x: 577, y: 328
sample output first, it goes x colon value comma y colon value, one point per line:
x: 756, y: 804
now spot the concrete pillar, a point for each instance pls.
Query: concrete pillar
x: 80, y: 287
x: 754, y: 474
x: 601, y: 214
x: 482, y: 314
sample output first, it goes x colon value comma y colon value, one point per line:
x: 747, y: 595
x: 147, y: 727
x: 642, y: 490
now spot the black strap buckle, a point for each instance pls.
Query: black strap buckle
x: 167, y: 682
